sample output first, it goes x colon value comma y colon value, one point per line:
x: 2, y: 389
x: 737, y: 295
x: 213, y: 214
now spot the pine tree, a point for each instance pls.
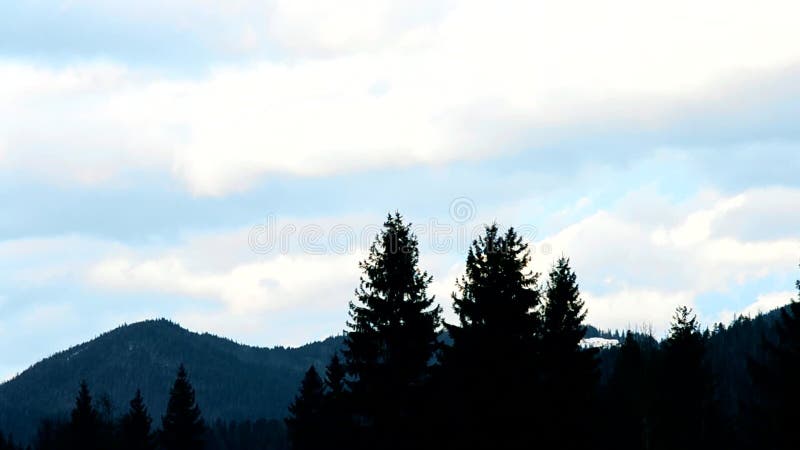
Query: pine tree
x: 489, y: 368
x: 84, y: 422
x: 335, y: 377
x: 776, y: 379
x: 627, y: 399
x: 686, y: 410
x: 305, y: 423
x: 570, y: 373
x: 134, y: 427
x: 336, y: 412
x: 392, y: 338
x: 182, y: 426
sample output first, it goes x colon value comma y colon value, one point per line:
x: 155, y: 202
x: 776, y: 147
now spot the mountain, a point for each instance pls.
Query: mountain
x: 232, y: 381
x: 238, y: 382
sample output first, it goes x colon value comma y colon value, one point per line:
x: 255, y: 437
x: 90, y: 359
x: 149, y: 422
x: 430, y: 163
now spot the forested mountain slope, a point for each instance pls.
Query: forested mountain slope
x: 233, y: 381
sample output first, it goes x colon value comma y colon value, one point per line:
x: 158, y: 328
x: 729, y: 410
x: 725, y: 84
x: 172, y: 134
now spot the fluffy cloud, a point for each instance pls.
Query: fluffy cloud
x: 374, y: 86
x: 639, y: 270
x: 283, y: 282
x: 224, y: 268
x: 636, y: 309
x: 764, y: 304
x: 635, y: 266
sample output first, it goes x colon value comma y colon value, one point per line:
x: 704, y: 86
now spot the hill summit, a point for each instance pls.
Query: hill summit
x: 233, y: 381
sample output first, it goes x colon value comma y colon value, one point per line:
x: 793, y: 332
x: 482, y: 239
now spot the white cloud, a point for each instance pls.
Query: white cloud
x: 373, y: 86
x: 314, y: 28
x: 283, y: 282
x: 768, y: 302
x: 638, y: 270
x: 764, y: 304
x: 36, y: 261
x: 631, y: 309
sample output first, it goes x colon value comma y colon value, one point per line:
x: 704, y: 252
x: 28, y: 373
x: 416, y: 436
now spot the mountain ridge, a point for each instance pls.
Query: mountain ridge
x: 233, y: 380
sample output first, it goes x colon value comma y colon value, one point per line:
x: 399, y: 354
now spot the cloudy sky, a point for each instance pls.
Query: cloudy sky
x: 222, y: 162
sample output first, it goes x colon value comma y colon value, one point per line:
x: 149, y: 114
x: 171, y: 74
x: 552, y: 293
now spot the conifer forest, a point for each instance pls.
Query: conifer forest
x: 513, y: 372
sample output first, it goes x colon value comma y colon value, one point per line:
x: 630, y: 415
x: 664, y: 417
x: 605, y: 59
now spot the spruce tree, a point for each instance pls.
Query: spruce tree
x: 392, y: 338
x: 776, y: 379
x: 685, y: 410
x: 84, y: 426
x: 335, y: 377
x: 305, y: 422
x: 336, y: 413
x: 182, y: 426
x: 569, y: 373
x: 489, y: 370
x: 627, y: 399
x: 134, y: 427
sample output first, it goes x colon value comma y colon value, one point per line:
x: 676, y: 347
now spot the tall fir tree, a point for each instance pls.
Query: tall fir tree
x: 775, y: 411
x: 306, y: 420
x: 685, y: 412
x: 569, y: 372
x: 182, y: 426
x: 84, y: 425
x: 335, y: 378
x: 626, y: 399
x: 392, y: 338
x: 489, y: 369
x: 337, y: 418
x: 135, y: 426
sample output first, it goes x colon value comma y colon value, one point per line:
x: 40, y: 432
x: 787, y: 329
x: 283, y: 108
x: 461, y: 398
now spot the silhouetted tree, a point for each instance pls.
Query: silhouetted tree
x: 84, y: 421
x: 489, y: 369
x: 134, y: 426
x: 182, y: 426
x: 335, y: 380
x: 569, y: 373
x: 392, y: 338
x: 626, y: 402
x: 685, y: 410
x: 336, y: 412
x: 775, y: 411
x: 305, y: 423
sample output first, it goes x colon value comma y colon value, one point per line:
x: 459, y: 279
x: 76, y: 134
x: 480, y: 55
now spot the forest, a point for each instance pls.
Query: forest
x: 510, y: 374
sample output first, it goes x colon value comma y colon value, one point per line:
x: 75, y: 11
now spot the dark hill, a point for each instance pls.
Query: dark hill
x: 236, y: 382
x: 232, y: 381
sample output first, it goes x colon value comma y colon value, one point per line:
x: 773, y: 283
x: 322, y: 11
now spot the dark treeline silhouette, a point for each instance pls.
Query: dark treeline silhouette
x: 91, y: 425
x: 510, y: 373
x: 145, y: 356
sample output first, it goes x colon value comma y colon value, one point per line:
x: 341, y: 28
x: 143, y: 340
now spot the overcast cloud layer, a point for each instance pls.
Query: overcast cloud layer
x: 141, y: 145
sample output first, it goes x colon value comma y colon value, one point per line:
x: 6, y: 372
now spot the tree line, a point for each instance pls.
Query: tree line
x: 91, y: 425
x: 511, y: 373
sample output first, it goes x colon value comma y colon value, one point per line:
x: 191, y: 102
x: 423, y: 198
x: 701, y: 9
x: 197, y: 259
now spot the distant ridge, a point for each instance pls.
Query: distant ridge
x: 233, y: 381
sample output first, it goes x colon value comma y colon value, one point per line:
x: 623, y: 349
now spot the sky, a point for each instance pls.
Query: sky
x: 225, y: 164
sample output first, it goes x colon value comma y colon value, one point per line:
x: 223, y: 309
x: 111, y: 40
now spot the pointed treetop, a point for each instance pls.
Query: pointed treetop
x: 498, y: 290
x: 335, y: 376
x: 84, y: 412
x: 183, y: 427
x: 564, y: 311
